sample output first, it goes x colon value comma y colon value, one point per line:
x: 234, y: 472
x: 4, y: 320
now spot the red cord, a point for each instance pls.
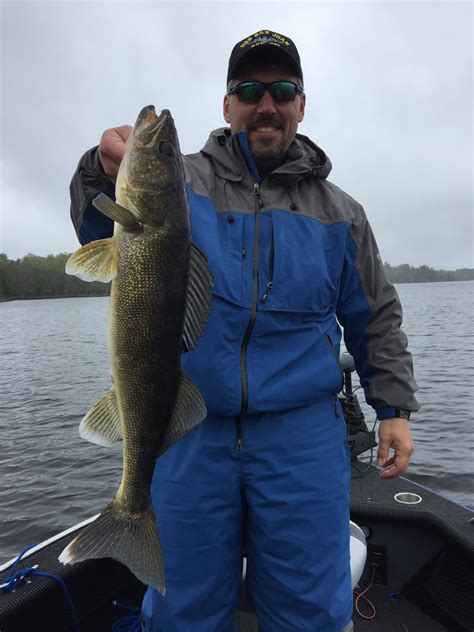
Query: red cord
x: 363, y: 597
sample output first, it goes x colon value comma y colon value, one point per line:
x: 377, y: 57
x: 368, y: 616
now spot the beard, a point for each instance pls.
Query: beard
x: 269, y: 158
x: 267, y: 154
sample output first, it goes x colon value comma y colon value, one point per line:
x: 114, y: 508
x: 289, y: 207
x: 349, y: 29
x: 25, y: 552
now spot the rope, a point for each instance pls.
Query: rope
x: 14, y: 578
x: 362, y: 596
x: 130, y: 623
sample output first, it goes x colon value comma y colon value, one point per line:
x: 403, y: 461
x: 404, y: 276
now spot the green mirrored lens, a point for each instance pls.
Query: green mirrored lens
x: 250, y: 92
x: 282, y: 91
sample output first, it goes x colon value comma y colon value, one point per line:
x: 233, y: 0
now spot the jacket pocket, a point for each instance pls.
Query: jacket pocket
x: 225, y: 239
x: 307, y: 262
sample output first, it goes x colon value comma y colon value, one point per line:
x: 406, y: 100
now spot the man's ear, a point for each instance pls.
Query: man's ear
x: 226, y: 108
x: 302, y: 107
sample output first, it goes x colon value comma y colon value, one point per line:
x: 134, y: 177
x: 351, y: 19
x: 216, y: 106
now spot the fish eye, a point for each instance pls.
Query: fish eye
x: 166, y: 148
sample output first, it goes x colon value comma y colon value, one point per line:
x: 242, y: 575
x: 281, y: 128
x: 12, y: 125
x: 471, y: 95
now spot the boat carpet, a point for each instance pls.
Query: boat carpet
x: 392, y: 615
x: 372, y: 496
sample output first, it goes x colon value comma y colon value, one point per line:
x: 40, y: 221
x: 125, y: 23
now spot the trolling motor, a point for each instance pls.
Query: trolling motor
x: 361, y: 439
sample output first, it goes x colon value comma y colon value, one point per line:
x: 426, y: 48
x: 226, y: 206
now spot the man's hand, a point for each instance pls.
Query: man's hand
x: 395, y: 434
x: 112, y: 149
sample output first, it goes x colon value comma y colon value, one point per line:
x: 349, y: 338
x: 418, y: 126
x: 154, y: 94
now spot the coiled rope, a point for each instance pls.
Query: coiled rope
x: 129, y: 623
x: 14, y: 578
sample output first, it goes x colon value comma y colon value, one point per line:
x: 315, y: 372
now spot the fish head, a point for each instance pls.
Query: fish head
x: 150, y: 182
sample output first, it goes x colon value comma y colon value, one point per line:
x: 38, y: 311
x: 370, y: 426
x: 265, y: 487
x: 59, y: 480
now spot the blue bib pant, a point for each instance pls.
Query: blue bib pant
x: 294, y: 470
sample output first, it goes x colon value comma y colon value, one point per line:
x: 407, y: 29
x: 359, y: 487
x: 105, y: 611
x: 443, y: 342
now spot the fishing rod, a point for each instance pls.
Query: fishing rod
x: 360, y: 438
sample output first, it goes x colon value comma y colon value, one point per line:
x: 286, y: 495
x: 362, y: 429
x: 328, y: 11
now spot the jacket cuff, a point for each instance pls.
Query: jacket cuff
x: 385, y: 413
x: 88, y: 180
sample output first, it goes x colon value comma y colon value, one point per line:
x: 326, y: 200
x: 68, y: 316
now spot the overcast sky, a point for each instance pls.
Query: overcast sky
x: 389, y: 98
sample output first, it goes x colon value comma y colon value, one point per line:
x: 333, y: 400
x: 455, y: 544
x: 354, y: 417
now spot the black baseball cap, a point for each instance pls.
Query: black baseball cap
x: 268, y: 45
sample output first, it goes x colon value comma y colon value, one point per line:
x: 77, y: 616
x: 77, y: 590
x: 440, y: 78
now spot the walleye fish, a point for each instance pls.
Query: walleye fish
x: 159, y: 302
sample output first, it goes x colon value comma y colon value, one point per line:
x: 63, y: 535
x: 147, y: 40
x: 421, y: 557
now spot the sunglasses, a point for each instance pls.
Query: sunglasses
x: 253, y: 91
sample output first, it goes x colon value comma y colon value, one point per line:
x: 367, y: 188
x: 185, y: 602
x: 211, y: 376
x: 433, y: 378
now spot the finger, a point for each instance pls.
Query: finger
x: 395, y: 466
x: 382, y: 452
x: 388, y: 462
x: 123, y: 131
x: 112, y: 149
x: 114, y: 141
x: 402, y: 460
x: 109, y: 166
x: 389, y: 472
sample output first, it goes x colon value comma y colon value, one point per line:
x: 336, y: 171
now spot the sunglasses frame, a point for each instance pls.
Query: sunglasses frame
x: 266, y: 86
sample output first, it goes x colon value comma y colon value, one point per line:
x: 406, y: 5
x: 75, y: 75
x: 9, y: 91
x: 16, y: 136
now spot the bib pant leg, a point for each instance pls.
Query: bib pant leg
x: 295, y: 471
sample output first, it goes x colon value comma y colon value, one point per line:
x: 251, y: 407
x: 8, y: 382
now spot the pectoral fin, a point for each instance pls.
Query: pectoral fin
x: 198, y: 299
x: 96, y: 261
x: 189, y: 410
x: 101, y: 425
x: 114, y: 211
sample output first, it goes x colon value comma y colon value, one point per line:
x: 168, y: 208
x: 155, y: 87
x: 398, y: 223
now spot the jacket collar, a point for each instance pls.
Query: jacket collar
x: 304, y: 159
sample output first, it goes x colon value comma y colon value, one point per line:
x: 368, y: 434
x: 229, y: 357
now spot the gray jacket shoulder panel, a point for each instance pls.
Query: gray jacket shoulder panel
x: 323, y: 201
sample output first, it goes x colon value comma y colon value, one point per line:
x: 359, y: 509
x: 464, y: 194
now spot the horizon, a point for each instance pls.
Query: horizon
x: 385, y: 263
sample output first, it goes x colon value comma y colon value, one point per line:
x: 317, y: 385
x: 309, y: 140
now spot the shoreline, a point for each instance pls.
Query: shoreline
x: 41, y: 298
x: 37, y: 298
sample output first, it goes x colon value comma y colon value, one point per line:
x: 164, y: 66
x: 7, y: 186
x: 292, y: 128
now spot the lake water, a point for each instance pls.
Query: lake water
x: 55, y: 365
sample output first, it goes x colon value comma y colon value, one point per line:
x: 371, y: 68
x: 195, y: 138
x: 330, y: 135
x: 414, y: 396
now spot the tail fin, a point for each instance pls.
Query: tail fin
x: 132, y: 540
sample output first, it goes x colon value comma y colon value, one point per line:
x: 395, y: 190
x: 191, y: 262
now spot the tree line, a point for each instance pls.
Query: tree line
x: 424, y: 274
x: 45, y: 277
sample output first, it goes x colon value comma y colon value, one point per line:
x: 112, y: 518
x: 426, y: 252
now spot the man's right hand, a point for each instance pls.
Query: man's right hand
x: 112, y: 149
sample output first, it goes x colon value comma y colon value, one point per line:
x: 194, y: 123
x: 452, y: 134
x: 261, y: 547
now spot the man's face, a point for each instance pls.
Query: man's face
x: 271, y: 127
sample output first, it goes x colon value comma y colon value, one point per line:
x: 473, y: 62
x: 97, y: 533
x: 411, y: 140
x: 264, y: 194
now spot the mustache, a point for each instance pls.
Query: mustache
x: 266, y: 120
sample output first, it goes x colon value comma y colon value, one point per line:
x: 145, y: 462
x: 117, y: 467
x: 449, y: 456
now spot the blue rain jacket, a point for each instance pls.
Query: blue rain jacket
x: 293, y: 258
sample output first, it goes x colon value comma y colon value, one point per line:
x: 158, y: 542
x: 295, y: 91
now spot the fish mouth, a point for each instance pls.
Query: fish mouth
x: 149, y: 125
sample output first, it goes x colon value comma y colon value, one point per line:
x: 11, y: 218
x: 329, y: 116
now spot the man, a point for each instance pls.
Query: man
x: 289, y: 252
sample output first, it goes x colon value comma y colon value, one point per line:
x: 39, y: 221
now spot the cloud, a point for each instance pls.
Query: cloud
x: 388, y: 100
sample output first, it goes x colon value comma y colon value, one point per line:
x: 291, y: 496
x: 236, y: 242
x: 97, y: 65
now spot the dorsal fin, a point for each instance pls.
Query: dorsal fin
x: 198, y: 298
x: 114, y: 211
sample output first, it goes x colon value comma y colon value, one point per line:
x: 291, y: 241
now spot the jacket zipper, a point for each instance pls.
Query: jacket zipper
x: 272, y: 263
x: 253, y: 317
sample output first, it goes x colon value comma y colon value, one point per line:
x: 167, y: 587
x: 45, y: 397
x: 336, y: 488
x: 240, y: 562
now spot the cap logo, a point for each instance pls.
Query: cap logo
x: 254, y: 45
x: 264, y: 37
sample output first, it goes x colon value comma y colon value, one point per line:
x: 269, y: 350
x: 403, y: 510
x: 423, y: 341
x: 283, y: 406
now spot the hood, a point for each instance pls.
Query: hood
x: 304, y: 159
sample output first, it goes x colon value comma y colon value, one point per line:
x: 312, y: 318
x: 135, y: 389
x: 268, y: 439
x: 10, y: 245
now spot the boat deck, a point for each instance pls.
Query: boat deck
x: 428, y: 551
x: 425, y: 563
x: 392, y: 615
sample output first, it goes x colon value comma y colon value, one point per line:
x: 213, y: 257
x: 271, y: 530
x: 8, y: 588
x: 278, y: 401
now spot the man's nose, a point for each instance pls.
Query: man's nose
x: 266, y: 103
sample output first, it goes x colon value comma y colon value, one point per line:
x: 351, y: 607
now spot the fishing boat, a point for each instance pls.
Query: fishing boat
x: 412, y: 562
